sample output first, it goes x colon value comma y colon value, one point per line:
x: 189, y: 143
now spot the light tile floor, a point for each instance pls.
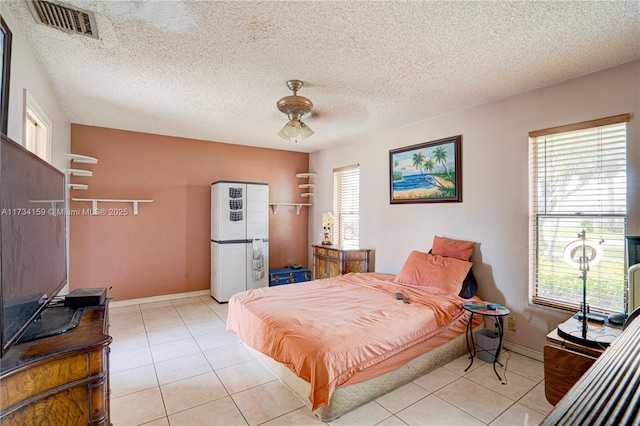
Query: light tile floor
x: 173, y: 363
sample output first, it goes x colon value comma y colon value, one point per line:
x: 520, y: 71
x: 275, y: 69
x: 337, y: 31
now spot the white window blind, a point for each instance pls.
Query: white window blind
x: 578, y: 182
x: 346, y: 206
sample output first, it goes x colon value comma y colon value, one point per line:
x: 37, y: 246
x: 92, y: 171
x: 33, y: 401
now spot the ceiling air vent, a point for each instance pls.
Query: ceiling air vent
x: 63, y: 17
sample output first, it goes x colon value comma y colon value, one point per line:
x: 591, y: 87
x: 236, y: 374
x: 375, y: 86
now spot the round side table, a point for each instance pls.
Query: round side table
x: 488, y: 309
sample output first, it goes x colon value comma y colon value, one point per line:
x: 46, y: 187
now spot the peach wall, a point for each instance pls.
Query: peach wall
x: 165, y: 248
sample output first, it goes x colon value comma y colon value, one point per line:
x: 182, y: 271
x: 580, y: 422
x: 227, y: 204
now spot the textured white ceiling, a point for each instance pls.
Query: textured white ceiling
x: 214, y: 70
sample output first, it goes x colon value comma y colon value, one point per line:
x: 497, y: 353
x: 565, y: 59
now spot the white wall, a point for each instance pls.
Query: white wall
x: 26, y: 73
x: 494, y: 211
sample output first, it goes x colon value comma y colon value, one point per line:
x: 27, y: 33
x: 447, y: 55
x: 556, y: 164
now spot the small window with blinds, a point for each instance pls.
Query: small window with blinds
x: 578, y: 182
x: 37, y: 129
x: 346, y: 206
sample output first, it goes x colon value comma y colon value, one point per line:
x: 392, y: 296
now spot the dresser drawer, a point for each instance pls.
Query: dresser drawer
x: 356, y: 254
x: 320, y: 251
x: 333, y: 253
x: 325, y: 251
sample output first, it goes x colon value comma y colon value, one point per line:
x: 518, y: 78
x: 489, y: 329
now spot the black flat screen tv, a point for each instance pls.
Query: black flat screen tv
x: 33, y: 238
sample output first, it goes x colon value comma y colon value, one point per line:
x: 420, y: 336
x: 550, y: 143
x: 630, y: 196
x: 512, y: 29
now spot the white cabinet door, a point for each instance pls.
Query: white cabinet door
x: 216, y: 291
x: 228, y: 211
x: 230, y: 270
x: 257, y: 211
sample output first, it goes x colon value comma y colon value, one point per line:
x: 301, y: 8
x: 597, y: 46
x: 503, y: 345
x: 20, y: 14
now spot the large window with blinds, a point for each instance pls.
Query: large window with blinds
x: 346, y: 206
x: 578, y: 183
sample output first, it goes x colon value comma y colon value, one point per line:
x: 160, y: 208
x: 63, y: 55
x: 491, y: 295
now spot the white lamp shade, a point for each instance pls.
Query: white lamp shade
x: 305, y: 131
x: 289, y: 131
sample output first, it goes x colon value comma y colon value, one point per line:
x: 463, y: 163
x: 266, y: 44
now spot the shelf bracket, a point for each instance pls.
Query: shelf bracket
x: 53, y: 203
x: 298, y: 206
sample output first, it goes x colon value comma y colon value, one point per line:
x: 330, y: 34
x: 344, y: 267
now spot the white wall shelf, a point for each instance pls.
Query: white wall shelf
x: 308, y: 186
x: 80, y: 172
x: 77, y: 158
x: 298, y: 206
x: 95, y: 201
x: 77, y: 186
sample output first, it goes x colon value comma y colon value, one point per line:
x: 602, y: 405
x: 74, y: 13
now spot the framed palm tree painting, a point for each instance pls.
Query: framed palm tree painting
x: 429, y: 172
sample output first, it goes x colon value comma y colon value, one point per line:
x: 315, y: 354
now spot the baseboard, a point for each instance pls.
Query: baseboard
x: 162, y: 298
x: 530, y: 353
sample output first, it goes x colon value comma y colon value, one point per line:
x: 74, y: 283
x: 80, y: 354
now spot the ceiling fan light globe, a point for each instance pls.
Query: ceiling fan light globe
x: 305, y: 131
x: 292, y: 129
x: 282, y: 134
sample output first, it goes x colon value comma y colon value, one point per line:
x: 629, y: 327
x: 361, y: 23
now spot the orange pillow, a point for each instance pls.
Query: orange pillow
x: 452, y: 248
x: 429, y: 270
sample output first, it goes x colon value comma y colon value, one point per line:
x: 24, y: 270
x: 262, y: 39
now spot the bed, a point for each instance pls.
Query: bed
x: 340, y: 342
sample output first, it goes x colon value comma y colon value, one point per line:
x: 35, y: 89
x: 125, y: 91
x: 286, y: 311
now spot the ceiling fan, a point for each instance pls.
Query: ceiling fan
x: 295, y: 107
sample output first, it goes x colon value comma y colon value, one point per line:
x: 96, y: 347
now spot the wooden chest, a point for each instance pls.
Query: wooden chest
x: 288, y: 276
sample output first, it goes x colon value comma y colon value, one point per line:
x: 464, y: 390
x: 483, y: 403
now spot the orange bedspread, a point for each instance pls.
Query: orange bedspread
x: 327, y: 330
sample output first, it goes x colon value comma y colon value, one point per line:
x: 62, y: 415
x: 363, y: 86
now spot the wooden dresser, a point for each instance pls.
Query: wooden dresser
x: 330, y: 261
x: 59, y: 380
x: 566, y: 362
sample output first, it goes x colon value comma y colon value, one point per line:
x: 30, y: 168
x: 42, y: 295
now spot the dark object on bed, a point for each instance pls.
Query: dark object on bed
x: 469, y: 286
x: 609, y: 392
x: 400, y: 296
